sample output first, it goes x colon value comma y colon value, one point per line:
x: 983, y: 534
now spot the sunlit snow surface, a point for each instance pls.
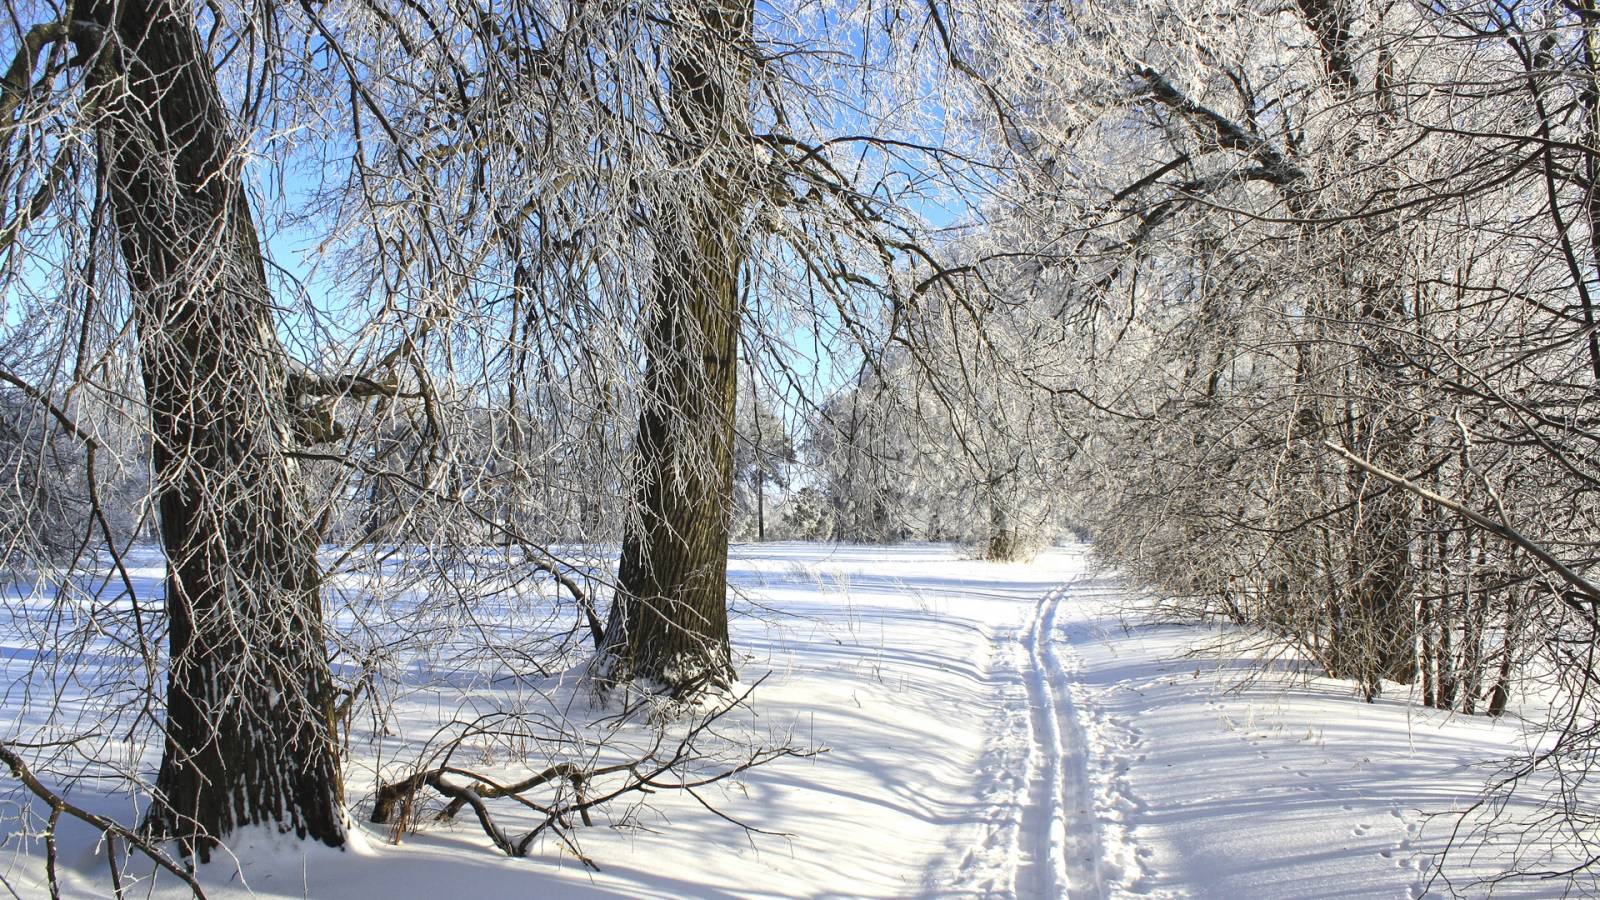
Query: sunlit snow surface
x: 991, y: 730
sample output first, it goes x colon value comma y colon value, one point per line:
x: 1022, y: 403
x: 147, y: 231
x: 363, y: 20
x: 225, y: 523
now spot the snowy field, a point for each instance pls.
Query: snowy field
x: 990, y: 730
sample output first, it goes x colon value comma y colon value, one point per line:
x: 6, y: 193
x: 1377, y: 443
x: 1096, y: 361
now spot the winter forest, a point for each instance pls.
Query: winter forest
x: 885, y: 448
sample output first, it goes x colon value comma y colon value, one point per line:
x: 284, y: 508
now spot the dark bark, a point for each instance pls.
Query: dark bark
x: 1445, y: 661
x: 669, y: 622
x: 1004, y: 544
x: 1500, y: 694
x: 249, y: 692
x: 1381, y: 588
x: 1382, y: 605
x: 761, y: 509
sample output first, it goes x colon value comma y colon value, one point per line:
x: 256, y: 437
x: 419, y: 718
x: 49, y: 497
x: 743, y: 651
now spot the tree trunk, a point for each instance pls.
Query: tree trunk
x: 1381, y: 617
x: 1500, y: 695
x: 669, y: 624
x: 248, y: 684
x: 1381, y: 585
x: 761, y: 508
x: 1384, y: 583
x: 1445, y: 660
x: 1590, y: 99
x: 1475, y: 608
x: 1003, y: 544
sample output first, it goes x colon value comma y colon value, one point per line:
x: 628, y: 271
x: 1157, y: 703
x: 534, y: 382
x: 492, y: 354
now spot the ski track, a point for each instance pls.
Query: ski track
x: 1065, y: 748
x: 1039, y: 833
x: 1074, y: 834
x: 1060, y: 822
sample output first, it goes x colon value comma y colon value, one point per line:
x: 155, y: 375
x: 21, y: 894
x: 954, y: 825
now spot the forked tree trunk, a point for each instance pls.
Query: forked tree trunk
x: 1500, y: 694
x: 248, y: 683
x: 669, y: 623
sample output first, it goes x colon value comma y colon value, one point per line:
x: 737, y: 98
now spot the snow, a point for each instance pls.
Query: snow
x: 991, y: 730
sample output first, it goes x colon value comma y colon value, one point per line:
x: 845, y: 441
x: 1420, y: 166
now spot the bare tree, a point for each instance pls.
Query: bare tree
x: 537, y: 234
x: 763, y: 449
x: 249, y: 693
x: 669, y: 622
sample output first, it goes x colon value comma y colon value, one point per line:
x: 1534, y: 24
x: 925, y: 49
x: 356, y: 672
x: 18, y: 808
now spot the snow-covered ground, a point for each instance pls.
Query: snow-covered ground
x: 991, y: 730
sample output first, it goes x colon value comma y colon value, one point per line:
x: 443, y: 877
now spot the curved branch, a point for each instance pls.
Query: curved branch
x: 1579, y: 584
x: 59, y: 805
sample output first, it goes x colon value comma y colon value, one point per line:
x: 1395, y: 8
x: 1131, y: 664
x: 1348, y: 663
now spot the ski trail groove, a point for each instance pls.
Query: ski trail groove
x: 1066, y: 855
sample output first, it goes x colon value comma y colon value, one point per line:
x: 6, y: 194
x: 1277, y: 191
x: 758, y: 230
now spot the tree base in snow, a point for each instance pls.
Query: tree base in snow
x: 1009, y: 546
x: 686, y: 676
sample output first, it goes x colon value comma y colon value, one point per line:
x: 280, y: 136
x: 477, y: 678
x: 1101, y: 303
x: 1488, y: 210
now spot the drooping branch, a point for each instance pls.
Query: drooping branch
x: 546, y: 561
x: 1588, y: 589
x: 60, y: 805
x: 40, y: 397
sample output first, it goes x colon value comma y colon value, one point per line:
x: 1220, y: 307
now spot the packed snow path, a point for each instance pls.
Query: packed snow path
x: 1067, y: 854
x: 1055, y: 831
x: 1156, y: 770
x: 992, y: 731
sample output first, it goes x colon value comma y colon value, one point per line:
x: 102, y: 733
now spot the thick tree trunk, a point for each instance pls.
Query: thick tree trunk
x: 669, y: 623
x: 248, y: 684
x: 1003, y: 544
